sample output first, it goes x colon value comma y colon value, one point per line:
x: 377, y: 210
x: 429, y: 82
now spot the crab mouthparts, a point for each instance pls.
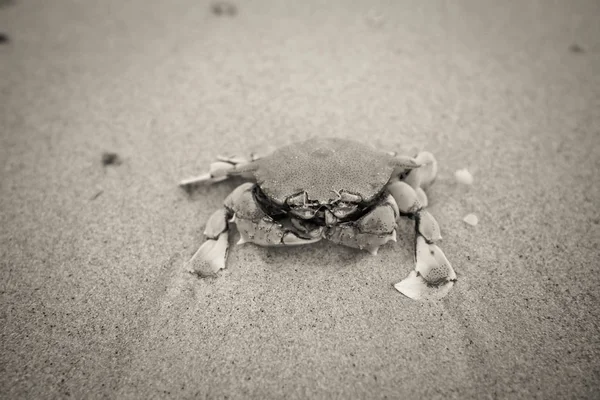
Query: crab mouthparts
x: 325, y: 214
x: 345, y: 207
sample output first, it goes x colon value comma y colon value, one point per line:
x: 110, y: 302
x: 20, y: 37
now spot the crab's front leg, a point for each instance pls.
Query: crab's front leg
x: 433, y: 276
x: 224, y: 168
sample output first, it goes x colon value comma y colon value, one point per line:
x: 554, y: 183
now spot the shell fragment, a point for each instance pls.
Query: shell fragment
x: 471, y: 219
x: 464, y: 176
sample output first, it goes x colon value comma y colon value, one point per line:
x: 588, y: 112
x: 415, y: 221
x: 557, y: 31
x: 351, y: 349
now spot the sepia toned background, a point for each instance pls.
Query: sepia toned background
x: 94, y: 299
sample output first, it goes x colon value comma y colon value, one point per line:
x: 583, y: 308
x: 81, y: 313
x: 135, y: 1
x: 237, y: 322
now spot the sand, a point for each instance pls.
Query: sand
x: 94, y: 300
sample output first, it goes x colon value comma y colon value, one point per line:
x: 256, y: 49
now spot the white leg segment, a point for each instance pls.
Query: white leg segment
x: 224, y: 168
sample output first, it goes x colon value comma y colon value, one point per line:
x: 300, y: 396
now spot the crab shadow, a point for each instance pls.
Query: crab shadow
x: 327, y: 257
x: 322, y: 256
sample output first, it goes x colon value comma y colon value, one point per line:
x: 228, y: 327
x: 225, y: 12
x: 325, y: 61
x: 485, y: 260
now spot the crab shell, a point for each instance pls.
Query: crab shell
x: 323, y: 168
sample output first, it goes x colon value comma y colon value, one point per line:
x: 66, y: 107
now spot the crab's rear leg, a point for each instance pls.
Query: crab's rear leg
x: 433, y: 276
x: 224, y: 168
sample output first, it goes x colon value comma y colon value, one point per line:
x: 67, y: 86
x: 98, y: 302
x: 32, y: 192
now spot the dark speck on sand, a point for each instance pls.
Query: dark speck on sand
x: 575, y: 48
x: 6, y: 3
x: 110, y: 159
x: 221, y: 8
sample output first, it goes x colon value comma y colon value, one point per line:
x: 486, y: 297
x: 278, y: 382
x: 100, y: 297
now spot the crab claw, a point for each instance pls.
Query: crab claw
x: 433, y: 276
x: 210, y: 257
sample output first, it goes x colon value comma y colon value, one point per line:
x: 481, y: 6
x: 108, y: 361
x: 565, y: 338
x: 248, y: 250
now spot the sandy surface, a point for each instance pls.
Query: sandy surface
x: 94, y: 301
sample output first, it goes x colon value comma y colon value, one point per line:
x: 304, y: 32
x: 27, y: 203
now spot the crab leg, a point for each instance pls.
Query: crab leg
x: 224, y: 168
x: 433, y: 276
x: 211, y: 255
x: 423, y: 176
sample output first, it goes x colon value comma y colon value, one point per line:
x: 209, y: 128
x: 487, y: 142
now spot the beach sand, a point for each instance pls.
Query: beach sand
x: 94, y: 299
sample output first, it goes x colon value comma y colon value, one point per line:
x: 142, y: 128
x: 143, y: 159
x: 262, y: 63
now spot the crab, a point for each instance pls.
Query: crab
x: 328, y: 189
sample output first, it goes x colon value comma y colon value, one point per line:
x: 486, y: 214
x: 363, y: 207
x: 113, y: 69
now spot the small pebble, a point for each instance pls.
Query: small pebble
x: 575, y: 48
x: 110, y: 159
x: 464, y: 176
x: 375, y: 19
x: 224, y: 8
x: 6, y: 3
x: 4, y: 38
x: 471, y: 219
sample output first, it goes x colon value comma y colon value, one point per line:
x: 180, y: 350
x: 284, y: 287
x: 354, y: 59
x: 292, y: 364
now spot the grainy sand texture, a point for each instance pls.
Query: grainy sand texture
x: 94, y: 299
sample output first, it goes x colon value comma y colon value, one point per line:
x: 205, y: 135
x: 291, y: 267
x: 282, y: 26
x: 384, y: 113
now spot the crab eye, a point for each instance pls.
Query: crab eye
x: 343, y: 209
x: 304, y: 212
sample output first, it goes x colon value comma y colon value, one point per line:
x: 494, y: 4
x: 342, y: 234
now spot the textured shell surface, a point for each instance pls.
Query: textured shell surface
x: 323, y: 166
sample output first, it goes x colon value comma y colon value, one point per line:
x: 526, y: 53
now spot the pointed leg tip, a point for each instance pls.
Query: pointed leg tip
x: 434, y: 238
x: 411, y: 286
x: 195, y: 180
x: 204, y: 270
x: 204, y: 266
x: 373, y: 250
x: 210, y: 257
